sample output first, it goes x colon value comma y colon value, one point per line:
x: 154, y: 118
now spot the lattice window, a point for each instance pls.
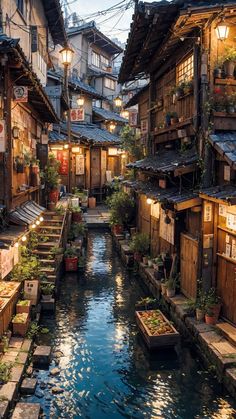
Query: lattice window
x: 184, y: 71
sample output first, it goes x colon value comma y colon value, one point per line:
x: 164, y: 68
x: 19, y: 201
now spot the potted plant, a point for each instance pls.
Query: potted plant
x: 71, y: 259
x: 139, y: 245
x: 218, y: 69
x: 23, y: 306
x: 122, y: 211
x: 171, y: 284
x: 76, y: 214
x: 230, y: 105
x: 187, y: 87
x: 213, y: 302
x: 5, y: 373
x: 210, y: 317
x: 173, y: 118
x: 229, y: 60
x: 20, y: 324
x: 51, y: 177
x: 47, y: 290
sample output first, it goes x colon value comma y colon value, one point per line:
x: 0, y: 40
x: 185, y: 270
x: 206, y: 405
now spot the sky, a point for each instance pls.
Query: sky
x: 115, y: 24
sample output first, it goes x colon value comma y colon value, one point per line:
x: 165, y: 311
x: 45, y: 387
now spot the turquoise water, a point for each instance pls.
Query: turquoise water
x: 106, y: 370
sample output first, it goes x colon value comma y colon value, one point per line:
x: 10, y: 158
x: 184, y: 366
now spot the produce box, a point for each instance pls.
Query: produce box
x: 8, y: 289
x: 156, y: 329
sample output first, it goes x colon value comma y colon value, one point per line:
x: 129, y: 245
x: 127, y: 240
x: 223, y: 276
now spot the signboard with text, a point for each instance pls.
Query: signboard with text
x: 62, y: 156
x: 20, y: 94
x: 77, y: 114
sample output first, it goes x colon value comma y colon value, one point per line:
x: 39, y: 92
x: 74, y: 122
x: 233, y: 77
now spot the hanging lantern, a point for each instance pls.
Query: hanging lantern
x: 149, y: 201
x: 66, y: 55
x: 222, y: 32
x: 15, y: 132
x: 112, y: 126
x: 124, y: 114
x: 118, y: 102
x: 80, y: 100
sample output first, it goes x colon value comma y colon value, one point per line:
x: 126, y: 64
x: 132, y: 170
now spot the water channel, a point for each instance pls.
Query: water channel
x: 106, y: 370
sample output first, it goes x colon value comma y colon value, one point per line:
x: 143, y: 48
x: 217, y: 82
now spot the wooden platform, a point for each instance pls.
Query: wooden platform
x: 228, y: 331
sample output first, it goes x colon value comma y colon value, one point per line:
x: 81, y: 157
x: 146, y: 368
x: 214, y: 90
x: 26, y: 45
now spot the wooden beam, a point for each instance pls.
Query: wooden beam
x: 193, y: 202
x: 187, y: 169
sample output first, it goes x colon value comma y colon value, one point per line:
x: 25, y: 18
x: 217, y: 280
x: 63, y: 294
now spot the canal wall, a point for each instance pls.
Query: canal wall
x: 216, y: 352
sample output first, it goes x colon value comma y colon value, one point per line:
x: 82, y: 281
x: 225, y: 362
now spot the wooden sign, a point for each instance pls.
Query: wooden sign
x: 207, y: 212
x: 77, y: 114
x: 133, y: 119
x: 62, y: 156
x: 79, y: 164
x: 20, y: 94
x: 222, y: 210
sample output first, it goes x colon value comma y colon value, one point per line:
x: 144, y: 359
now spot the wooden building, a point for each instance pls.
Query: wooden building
x: 184, y: 48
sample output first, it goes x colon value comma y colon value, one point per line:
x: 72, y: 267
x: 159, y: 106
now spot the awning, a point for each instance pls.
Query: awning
x: 24, y: 76
x: 26, y: 214
x: 105, y: 115
x: 225, y: 144
x: 225, y: 194
x: 168, y: 161
x: 180, y: 200
x: 55, y: 20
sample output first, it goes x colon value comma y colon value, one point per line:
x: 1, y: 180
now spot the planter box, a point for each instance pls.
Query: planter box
x: 21, y: 328
x: 71, y: 264
x: 23, y: 308
x: 157, y: 339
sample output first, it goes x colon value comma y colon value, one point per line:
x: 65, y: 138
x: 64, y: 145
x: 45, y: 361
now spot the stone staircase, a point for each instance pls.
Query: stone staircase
x: 50, y: 234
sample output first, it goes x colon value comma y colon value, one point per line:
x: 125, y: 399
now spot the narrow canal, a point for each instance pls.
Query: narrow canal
x: 105, y: 370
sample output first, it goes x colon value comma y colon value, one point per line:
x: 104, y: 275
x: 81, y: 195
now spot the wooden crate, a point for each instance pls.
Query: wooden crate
x: 7, y: 309
x: 157, y: 340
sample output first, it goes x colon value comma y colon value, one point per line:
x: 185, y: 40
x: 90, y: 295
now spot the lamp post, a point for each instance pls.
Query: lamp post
x: 67, y: 56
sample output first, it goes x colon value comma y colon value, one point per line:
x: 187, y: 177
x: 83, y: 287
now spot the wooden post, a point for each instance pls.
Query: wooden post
x: 8, y: 160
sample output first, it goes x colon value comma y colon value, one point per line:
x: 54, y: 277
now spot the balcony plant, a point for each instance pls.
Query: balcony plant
x: 173, y: 118
x: 20, y: 324
x: 187, y: 87
x: 140, y: 245
x: 71, y: 259
x: 229, y: 60
x: 47, y: 290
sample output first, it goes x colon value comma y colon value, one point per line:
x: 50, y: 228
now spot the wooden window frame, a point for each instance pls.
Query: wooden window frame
x: 108, y: 82
x: 185, y: 69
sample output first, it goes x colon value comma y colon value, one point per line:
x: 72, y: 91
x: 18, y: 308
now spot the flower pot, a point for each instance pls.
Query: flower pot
x: 218, y: 73
x: 200, y: 315
x: 77, y: 217
x: 23, y: 309
x: 173, y: 121
x: 179, y: 93
x: 54, y: 196
x: 71, y: 264
x: 216, y: 310
x: 229, y: 67
x: 150, y: 264
x: 170, y: 292
x: 145, y: 260
x: 210, y: 319
x: 118, y: 229
x: 163, y: 289
x: 46, y: 297
x: 137, y: 257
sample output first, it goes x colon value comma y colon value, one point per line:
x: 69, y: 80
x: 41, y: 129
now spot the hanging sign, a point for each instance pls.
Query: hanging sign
x: 77, y: 114
x: 2, y: 136
x: 231, y: 221
x: 62, y: 156
x: 207, y: 213
x: 6, y: 262
x: 133, y: 119
x: 222, y: 210
x: 20, y: 94
x: 79, y: 164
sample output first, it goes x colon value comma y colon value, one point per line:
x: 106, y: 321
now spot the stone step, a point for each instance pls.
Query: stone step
x: 48, y: 270
x: 28, y: 386
x: 26, y: 411
x: 47, y: 244
x: 47, y: 261
x: 4, y: 409
x: 42, y: 252
x: 47, y: 227
x: 228, y: 331
x: 49, y: 235
x: 42, y: 355
x: 50, y: 222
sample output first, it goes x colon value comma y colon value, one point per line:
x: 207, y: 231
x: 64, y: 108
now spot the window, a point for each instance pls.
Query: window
x: 109, y: 83
x: 95, y: 59
x: 20, y: 6
x: 41, y: 58
x: 184, y: 71
x: 105, y: 61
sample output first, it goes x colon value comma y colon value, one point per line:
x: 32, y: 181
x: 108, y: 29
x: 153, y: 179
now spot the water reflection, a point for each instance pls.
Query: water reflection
x: 106, y: 370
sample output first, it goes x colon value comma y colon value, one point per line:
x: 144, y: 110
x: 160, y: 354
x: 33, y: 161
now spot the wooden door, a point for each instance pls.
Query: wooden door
x: 226, y: 287
x: 95, y: 168
x: 189, y: 248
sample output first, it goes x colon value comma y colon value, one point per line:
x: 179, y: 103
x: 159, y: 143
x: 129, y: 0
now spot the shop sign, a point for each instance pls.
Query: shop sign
x: 79, y: 164
x: 7, y: 261
x: 133, y: 119
x: 207, y: 213
x: 62, y: 157
x: 20, y: 94
x: 2, y: 136
x: 77, y: 114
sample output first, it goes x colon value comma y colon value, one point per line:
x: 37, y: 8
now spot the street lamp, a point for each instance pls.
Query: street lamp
x: 222, y: 32
x: 118, y: 102
x: 67, y: 56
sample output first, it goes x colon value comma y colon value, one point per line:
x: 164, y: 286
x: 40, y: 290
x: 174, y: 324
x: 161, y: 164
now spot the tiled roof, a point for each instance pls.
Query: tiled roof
x: 109, y: 115
x: 135, y: 98
x: 55, y: 20
x: 166, y: 161
x: 86, y: 88
x: 171, y: 195
x: 225, y: 145
x: 87, y: 132
x: 226, y: 193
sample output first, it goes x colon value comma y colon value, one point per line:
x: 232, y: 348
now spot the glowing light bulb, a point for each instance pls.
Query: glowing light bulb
x: 37, y: 222
x: 149, y: 201
x: 41, y: 219
x: 16, y: 244
x: 24, y: 238
x: 33, y: 225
